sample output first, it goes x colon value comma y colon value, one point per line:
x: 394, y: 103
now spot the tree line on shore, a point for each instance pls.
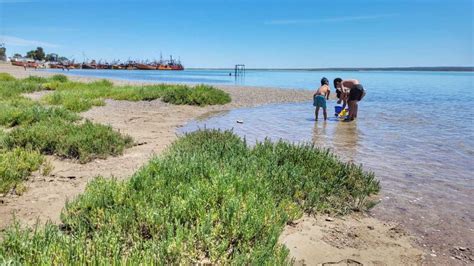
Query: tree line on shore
x: 40, y: 55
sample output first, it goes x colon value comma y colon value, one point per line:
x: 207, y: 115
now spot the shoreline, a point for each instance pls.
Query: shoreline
x: 154, y: 125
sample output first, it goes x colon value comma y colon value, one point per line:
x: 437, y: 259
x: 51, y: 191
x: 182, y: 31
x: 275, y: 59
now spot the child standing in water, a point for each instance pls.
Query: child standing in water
x: 320, y: 97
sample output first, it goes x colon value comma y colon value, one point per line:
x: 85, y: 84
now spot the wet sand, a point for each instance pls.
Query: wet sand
x: 153, y: 125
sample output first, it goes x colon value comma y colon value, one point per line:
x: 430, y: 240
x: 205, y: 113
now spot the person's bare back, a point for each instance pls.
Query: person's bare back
x: 323, y: 90
x: 348, y: 84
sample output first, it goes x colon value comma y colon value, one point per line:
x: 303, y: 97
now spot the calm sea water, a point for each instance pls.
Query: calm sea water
x: 415, y: 131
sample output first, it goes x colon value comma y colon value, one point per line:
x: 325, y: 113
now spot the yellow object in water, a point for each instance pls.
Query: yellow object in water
x: 343, y: 113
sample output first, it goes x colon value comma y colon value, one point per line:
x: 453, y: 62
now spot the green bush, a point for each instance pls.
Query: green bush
x: 209, y: 197
x: 83, y: 142
x: 79, y: 97
x: 15, y: 166
x: 59, y: 78
x: 21, y: 111
x: 6, y: 77
x: 200, y: 95
x: 35, y: 79
x: 13, y: 89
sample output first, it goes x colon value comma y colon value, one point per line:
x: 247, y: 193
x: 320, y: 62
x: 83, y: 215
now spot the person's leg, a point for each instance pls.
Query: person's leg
x: 316, y: 112
x: 344, y: 100
x: 356, y: 109
x: 325, y: 114
x: 351, y: 110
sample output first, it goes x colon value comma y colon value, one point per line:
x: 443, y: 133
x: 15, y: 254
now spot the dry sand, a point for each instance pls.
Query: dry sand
x: 312, y: 240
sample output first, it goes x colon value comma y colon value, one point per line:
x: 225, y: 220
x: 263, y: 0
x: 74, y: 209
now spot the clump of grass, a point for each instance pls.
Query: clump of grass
x: 13, y: 89
x: 47, y: 130
x: 78, y: 97
x: 209, y: 197
x: 35, y: 79
x: 21, y: 111
x: 6, y: 77
x: 83, y: 142
x: 16, y: 165
x: 200, y: 95
x: 59, y: 78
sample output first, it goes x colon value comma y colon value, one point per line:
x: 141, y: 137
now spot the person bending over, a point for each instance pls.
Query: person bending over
x: 341, y: 93
x: 351, y: 90
x: 320, y: 96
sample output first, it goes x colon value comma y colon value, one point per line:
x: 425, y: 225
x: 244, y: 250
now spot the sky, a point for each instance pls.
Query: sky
x: 257, y: 33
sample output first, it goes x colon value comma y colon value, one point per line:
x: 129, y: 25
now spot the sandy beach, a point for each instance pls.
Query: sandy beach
x: 347, y: 240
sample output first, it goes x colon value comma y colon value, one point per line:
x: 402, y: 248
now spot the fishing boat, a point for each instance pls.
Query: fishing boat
x: 55, y: 65
x: 169, y: 64
x: 145, y: 66
x: 17, y: 63
x: 91, y: 65
x: 24, y: 63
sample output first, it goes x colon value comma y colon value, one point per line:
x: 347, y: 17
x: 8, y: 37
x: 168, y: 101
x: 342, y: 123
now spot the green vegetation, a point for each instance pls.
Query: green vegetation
x: 15, y: 166
x: 37, y: 130
x: 57, y: 130
x: 6, y: 77
x: 21, y: 111
x: 78, y: 97
x: 199, y: 95
x: 84, y: 142
x: 209, y: 197
x: 37, y: 54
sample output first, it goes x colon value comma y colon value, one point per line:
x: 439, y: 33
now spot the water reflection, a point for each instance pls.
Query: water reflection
x: 346, y: 138
x: 340, y: 137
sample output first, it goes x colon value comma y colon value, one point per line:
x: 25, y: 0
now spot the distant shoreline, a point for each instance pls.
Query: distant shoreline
x: 447, y: 69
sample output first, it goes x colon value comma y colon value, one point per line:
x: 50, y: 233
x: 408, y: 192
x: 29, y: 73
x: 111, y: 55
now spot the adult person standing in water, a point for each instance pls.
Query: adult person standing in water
x: 352, y: 90
x: 320, y: 97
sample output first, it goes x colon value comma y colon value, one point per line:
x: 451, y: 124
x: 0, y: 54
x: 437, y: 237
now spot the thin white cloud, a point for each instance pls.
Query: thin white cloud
x: 15, y: 41
x: 326, y: 20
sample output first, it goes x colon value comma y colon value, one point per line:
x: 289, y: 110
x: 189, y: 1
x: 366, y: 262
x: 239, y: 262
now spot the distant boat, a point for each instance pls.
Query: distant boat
x: 88, y: 66
x: 145, y: 67
x: 169, y: 64
x: 17, y: 63
x: 55, y: 65
x: 170, y: 67
x: 25, y: 63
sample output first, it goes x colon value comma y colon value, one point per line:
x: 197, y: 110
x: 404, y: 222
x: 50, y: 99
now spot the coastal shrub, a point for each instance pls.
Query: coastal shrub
x: 6, y: 77
x: 21, y: 111
x: 209, y: 197
x: 16, y: 165
x: 200, y: 95
x: 83, y: 142
x: 79, y: 97
x: 14, y: 89
x: 59, y: 78
x: 35, y: 79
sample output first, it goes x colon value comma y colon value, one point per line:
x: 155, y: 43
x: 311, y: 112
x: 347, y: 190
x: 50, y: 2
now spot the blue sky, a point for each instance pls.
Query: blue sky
x: 268, y: 34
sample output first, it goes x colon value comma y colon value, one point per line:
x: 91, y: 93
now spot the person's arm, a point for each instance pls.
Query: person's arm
x: 327, y: 94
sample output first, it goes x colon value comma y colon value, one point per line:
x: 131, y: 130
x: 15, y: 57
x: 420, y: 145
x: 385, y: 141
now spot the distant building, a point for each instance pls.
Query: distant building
x: 3, y: 52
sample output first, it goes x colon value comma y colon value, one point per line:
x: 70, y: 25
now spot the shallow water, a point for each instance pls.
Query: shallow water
x: 415, y: 131
x: 297, y: 79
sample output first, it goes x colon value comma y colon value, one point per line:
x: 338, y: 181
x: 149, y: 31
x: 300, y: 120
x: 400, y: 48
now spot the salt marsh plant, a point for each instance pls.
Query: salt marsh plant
x: 78, y: 97
x: 21, y: 111
x: 84, y: 142
x: 37, y: 129
x: 16, y: 165
x: 210, y: 197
